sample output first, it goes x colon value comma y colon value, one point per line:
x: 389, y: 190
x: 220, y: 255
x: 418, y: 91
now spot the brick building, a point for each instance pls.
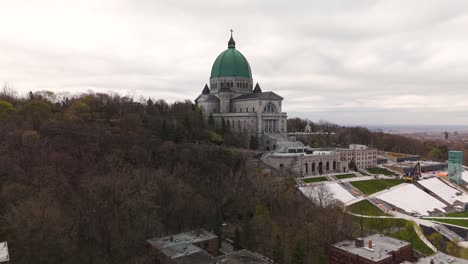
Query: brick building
x: 198, y: 247
x: 375, y: 249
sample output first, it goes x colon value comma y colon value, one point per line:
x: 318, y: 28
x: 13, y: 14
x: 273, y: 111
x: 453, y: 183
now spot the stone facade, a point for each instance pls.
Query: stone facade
x: 308, y: 164
x: 364, y: 157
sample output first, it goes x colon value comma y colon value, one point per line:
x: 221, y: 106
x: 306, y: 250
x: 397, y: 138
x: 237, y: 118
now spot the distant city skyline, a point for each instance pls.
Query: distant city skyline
x: 358, y: 62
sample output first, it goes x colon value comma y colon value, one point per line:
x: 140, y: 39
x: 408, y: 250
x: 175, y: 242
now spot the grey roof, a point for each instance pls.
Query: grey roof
x: 208, y: 97
x: 212, y: 98
x: 206, y: 90
x: 441, y: 258
x: 201, y: 257
x: 382, y: 246
x: 181, y: 244
x: 4, y: 255
x: 241, y: 257
x: 263, y: 96
x: 257, y: 89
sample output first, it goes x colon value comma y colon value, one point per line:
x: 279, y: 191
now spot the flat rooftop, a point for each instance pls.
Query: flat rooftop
x: 4, y: 255
x: 381, y: 247
x: 181, y: 244
x: 241, y: 257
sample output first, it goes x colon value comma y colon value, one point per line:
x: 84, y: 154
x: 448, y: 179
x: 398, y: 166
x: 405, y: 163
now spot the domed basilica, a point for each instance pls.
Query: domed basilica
x: 232, y: 97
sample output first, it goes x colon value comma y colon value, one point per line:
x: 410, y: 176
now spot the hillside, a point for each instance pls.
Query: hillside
x: 89, y: 179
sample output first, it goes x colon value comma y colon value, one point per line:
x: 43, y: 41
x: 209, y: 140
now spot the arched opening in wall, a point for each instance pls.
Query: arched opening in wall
x: 306, y: 165
x: 267, y: 148
x: 274, y: 147
x: 313, y: 167
x: 269, y: 108
x: 320, y: 167
x: 281, y: 166
x: 232, y: 84
x: 465, y: 207
x: 334, y: 165
x: 327, y: 166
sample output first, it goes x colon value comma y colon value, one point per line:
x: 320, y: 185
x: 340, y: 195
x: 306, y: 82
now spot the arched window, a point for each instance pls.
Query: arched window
x: 327, y: 165
x: 232, y: 84
x: 269, y: 108
x: 313, y: 167
x: 334, y: 165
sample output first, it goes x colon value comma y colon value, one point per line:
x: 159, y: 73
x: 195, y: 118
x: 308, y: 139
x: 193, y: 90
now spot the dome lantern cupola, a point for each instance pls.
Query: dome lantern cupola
x: 231, y: 43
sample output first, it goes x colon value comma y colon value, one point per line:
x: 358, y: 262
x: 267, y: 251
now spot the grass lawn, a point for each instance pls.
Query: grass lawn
x: 315, y: 179
x: 345, y: 176
x: 365, y: 207
x: 406, y: 232
x: 458, y: 214
x: 458, y: 222
x: 409, y: 235
x: 383, y: 171
x: 373, y: 186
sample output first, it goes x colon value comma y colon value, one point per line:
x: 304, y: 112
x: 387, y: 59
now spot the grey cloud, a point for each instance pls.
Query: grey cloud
x: 363, y: 62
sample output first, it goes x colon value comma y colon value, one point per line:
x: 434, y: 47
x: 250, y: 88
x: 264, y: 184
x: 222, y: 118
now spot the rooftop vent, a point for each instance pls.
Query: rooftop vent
x: 359, y: 242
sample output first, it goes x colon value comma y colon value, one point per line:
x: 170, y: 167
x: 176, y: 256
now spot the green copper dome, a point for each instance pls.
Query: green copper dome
x: 231, y: 63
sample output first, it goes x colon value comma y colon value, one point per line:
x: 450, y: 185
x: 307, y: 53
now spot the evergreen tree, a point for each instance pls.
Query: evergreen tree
x: 223, y: 126
x: 187, y: 125
x: 237, y: 240
x: 253, y: 143
x: 218, y: 228
x: 248, y: 235
x: 352, y: 165
x: 228, y: 126
x: 164, y: 132
x: 278, y: 251
x: 298, y: 255
x: 211, y: 122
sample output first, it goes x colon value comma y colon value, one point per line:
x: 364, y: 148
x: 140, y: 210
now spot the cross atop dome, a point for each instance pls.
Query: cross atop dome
x: 231, y: 43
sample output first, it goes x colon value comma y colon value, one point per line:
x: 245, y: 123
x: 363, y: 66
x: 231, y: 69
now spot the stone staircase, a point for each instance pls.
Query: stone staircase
x: 350, y: 188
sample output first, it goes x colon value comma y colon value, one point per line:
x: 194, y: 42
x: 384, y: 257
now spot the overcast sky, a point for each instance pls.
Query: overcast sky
x: 349, y: 62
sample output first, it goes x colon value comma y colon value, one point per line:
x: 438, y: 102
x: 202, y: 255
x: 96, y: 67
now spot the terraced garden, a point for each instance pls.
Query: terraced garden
x: 383, y: 171
x: 457, y: 214
x: 315, y: 179
x: 345, y: 176
x: 365, y: 207
x: 372, y: 186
